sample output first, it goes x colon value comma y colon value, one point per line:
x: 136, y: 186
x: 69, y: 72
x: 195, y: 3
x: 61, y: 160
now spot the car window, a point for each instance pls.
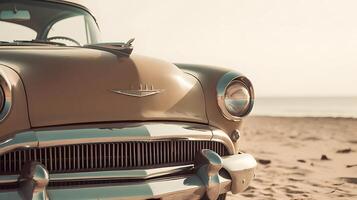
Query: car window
x: 72, y: 28
x: 10, y: 32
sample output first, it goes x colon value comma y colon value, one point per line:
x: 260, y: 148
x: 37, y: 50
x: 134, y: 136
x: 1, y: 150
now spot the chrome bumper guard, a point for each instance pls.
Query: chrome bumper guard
x: 209, y: 180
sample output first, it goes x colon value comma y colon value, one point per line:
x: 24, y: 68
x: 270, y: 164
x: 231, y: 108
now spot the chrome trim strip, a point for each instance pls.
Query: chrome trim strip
x: 141, y: 174
x: 9, y: 179
x: 20, y: 140
x: 125, y: 132
x: 220, y: 136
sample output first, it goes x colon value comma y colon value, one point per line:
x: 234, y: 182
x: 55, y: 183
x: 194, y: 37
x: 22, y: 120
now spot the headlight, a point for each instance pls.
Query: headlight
x: 5, y: 97
x: 235, y: 96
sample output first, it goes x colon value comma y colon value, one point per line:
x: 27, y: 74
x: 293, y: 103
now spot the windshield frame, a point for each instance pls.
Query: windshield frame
x: 90, y: 21
x: 75, y: 5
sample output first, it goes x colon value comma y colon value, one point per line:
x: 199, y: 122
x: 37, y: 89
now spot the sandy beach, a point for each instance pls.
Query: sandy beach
x: 301, y: 158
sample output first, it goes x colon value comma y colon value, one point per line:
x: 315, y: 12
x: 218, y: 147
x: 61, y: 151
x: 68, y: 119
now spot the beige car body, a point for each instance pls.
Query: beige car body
x: 57, y: 90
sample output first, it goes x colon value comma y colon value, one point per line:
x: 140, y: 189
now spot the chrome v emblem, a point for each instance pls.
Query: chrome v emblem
x: 142, y: 92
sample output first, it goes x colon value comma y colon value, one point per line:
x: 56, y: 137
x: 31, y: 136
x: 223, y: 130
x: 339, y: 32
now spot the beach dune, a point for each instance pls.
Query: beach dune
x: 301, y: 158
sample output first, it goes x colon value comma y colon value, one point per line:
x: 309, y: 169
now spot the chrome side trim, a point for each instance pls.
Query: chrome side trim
x: 120, y: 133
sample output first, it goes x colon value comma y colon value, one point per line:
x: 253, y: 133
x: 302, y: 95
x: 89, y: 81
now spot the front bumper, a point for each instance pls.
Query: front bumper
x: 213, y: 175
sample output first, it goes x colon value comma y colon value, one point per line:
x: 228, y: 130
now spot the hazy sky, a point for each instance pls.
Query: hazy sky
x: 286, y: 47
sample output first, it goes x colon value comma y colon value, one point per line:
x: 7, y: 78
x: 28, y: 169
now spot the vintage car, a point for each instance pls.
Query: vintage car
x: 81, y: 119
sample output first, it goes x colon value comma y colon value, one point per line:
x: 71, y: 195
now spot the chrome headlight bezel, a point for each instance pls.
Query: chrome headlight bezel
x: 2, y: 98
x: 6, y: 91
x: 224, y: 82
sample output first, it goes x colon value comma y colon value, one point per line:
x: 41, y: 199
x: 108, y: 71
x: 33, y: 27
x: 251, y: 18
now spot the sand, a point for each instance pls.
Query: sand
x: 290, y: 152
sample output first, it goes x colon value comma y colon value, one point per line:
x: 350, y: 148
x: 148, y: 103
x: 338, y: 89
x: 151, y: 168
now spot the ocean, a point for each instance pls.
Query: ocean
x: 306, y: 106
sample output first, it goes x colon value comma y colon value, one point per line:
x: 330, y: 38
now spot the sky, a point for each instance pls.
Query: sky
x: 286, y: 47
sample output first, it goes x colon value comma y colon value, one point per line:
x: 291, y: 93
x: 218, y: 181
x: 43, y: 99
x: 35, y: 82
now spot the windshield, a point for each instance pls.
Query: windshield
x: 44, y: 22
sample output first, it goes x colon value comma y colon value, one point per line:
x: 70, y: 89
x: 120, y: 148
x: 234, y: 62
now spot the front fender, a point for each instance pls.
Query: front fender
x: 17, y: 118
x: 209, y: 76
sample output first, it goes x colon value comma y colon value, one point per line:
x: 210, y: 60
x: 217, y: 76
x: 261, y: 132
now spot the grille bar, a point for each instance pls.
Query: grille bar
x: 108, y: 156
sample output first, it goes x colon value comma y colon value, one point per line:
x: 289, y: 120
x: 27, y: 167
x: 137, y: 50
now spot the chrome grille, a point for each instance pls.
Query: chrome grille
x: 108, y: 156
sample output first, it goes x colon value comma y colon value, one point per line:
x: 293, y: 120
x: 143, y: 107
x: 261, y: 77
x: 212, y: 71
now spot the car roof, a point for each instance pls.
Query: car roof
x: 71, y: 3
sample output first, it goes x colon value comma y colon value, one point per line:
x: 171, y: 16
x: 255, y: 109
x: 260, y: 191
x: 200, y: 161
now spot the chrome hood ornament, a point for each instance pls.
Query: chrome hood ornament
x: 142, y: 92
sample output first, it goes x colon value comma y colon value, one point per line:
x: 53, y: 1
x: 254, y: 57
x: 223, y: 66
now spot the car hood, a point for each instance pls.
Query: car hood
x: 67, y: 85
